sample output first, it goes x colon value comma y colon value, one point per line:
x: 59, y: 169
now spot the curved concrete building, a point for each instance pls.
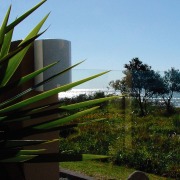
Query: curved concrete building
x: 48, y: 51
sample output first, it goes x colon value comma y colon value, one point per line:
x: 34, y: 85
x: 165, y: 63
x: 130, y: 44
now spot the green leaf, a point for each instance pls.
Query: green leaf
x: 51, y: 141
x: 30, y: 114
x: 30, y: 76
x: 35, y: 30
x: 54, y: 76
x: 22, y: 143
x: 13, y: 65
x: 4, y: 51
x: 31, y: 152
x: 87, y: 103
x: 56, y: 157
x: 46, y: 94
x: 80, y: 157
x: 90, y: 122
x: 25, y: 15
x: 35, y: 73
x: 30, y: 130
x: 16, y: 60
x: 64, y: 120
x: 18, y: 158
x: 3, y: 27
x: 6, y: 44
x: 19, y: 48
x: 53, y: 108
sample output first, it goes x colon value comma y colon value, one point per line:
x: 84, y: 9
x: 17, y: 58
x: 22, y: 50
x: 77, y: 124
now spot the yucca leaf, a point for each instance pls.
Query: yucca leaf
x: 31, y: 152
x: 16, y: 60
x: 81, y: 157
x: 13, y: 65
x: 11, y: 150
x: 36, y: 112
x: 46, y: 94
x: 86, y: 103
x: 34, y: 74
x: 18, y: 158
x: 64, y: 120
x: 44, y: 158
x: 21, y: 81
x: 6, y: 56
x: 30, y: 76
x: 90, y: 122
x: 6, y: 44
x: 22, y: 143
x: 53, y: 108
x: 4, y: 51
x: 66, y: 132
x: 3, y: 26
x: 22, y: 115
x: 30, y: 130
x: 10, y: 119
x: 51, y: 141
x: 55, y: 75
x: 25, y: 15
x: 19, y: 48
x: 35, y: 30
x: 51, y: 125
x: 56, y: 157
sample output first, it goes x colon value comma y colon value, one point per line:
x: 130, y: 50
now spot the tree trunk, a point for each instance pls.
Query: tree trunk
x: 141, y: 105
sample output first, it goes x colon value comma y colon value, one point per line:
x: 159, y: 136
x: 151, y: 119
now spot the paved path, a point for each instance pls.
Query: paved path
x: 71, y: 175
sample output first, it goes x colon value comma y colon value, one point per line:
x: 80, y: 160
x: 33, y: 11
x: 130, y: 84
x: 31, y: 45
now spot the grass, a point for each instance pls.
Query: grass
x: 139, y: 142
x: 101, y: 170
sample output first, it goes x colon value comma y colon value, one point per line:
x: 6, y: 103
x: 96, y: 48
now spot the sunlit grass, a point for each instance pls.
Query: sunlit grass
x: 101, y: 170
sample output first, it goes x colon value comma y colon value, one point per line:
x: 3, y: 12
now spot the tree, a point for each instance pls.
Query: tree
x: 119, y: 85
x: 136, y: 65
x: 170, y: 83
x: 139, y: 78
x: 140, y: 82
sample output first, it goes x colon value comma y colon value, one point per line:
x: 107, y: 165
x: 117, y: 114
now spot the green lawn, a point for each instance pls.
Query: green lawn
x: 101, y: 170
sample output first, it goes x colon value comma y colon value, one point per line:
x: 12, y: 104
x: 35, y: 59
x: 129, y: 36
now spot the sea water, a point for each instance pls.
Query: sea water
x: 75, y: 92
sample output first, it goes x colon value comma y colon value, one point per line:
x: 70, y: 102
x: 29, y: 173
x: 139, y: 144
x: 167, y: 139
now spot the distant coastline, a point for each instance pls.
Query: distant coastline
x: 75, y: 92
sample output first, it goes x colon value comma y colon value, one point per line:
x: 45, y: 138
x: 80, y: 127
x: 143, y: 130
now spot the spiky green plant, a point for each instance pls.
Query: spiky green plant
x: 14, y: 109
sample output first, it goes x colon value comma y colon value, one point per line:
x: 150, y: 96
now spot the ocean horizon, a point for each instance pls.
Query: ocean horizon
x: 76, y: 92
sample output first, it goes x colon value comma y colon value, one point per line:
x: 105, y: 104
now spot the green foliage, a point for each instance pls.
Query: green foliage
x: 21, y: 106
x: 92, y: 138
x: 176, y: 122
x: 119, y: 85
x: 142, y: 84
x: 147, y: 143
x: 139, y: 82
x: 171, y: 84
x: 153, y: 146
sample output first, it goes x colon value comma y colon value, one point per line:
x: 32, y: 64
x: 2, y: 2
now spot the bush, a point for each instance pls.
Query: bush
x: 96, y: 139
x: 145, y: 143
x: 153, y: 149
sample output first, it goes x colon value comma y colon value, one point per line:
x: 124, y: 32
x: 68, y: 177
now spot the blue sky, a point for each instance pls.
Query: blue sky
x: 109, y: 33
